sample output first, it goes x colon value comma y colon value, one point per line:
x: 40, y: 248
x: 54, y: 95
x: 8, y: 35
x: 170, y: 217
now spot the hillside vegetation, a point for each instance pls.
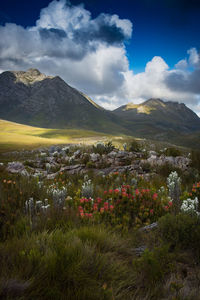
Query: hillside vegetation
x: 95, y: 222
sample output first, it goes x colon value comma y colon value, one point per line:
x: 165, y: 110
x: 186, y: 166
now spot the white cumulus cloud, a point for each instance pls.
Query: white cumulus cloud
x: 90, y: 54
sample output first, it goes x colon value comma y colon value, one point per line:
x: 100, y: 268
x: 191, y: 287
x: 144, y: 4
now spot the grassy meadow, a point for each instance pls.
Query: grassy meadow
x: 14, y: 136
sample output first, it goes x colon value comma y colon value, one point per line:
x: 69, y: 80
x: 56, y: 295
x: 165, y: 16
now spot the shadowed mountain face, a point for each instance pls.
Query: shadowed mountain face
x: 33, y: 98
x: 157, y: 117
x: 46, y: 101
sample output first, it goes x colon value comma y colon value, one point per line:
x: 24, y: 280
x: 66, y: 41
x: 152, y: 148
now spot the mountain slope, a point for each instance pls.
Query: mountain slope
x: 35, y: 99
x: 158, y: 119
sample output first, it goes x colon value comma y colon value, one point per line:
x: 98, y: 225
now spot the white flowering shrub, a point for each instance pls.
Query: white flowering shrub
x: 174, y: 188
x: 32, y: 208
x: 58, y: 195
x: 190, y: 205
x: 87, y: 189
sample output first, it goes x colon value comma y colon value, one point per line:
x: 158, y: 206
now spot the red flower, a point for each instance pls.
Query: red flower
x: 80, y: 208
x: 155, y: 196
x: 95, y: 206
x: 99, y: 200
x: 137, y: 192
x: 111, y: 207
x: 170, y: 203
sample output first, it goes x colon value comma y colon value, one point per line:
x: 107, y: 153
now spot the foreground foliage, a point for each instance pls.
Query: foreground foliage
x: 83, y: 237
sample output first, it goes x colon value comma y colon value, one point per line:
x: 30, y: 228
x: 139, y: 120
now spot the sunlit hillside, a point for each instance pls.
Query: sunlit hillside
x: 18, y: 136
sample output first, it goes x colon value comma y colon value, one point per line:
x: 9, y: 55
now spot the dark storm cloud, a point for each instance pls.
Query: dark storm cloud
x: 101, y: 30
x: 181, y: 81
x: 52, y: 33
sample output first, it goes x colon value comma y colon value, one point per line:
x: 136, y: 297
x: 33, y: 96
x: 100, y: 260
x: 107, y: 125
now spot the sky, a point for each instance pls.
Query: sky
x: 115, y: 51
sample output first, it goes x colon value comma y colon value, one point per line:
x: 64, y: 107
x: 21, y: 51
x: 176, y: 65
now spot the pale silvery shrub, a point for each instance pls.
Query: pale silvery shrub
x: 87, y: 189
x: 133, y: 181
x: 125, y: 146
x: 32, y: 208
x: 48, y: 167
x: 174, y: 188
x: 58, y: 194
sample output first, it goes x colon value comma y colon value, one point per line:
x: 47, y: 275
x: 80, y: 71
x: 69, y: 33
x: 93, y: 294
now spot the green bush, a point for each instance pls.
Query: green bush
x: 181, y: 231
x: 102, y: 148
x: 82, y: 264
x: 195, y: 157
x: 134, y: 146
x: 172, y: 151
x: 152, y: 266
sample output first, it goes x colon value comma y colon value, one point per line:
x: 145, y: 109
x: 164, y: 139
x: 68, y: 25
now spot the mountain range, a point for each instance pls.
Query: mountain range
x: 35, y: 99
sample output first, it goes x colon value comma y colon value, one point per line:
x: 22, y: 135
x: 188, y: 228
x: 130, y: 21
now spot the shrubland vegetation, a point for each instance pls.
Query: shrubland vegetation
x: 88, y: 236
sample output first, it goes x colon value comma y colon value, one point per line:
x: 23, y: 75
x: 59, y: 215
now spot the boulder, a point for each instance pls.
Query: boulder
x: 94, y: 157
x: 17, y: 167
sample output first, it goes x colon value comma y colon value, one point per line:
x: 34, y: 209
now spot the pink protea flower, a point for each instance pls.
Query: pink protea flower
x: 106, y: 205
x: 155, y: 196
x: 111, y: 207
x: 99, y: 200
x: 137, y: 192
x: 101, y: 210
x: 80, y: 208
x: 95, y: 206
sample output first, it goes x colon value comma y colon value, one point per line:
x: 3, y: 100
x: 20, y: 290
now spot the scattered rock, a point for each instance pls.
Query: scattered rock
x: 13, y: 288
x: 17, y: 167
x: 149, y: 227
x: 139, y: 251
x: 77, y: 153
x: 95, y: 157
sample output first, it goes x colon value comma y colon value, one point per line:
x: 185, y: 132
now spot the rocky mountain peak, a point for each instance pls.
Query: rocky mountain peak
x: 33, y: 72
x: 154, y: 102
x: 30, y: 76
